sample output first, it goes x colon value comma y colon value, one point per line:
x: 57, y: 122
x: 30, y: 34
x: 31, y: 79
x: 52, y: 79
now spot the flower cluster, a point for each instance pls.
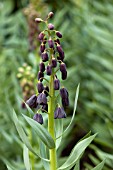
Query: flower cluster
x: 52, y: 61
x: 26, y: 78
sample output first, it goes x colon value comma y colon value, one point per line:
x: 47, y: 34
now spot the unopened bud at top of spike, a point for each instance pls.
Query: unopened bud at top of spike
x: 50, y: 26
x: 50, y: 15
x: 38, y: 20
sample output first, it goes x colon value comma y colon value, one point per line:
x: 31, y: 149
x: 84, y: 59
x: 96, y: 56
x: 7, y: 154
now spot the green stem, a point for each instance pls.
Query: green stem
x: 51, y: 128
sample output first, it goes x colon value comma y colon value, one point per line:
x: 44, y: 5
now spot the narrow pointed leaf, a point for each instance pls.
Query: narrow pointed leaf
x: 76, y: 153
x: 23, y: 135
x: 75, y: 106
x: 44, y: 155
x: 59, y: 131
x: 77, y: 166
x: 26, y: 158
x: 99, y: 166
x: 41, y: 132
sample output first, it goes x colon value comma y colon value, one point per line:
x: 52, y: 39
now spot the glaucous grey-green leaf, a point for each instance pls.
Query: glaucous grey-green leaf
x: 23, y: 135
x: 41, y: 132
x: 99, y: 166
x: 59, y: 131
x: 26, y: 157
x: 43, y: 153
x: 77, y: 166
x: 76, y: 153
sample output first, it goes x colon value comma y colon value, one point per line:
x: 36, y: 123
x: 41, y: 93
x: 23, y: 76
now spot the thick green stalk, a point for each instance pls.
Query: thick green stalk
x: 51, y: 127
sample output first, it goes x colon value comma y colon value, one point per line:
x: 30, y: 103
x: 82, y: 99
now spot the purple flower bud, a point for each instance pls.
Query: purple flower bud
x: 38, y: 117
x: 45, y: 108
x: 60, y: 51
x: 50, y: 15
x: 63, y: 93
x: 56, y: 84
x: 40, y: 76
x: 42, y: 48
x: 65, y: 102
x: 58, y: 34
x: 42, y: 67
x: 59, y: 113
x: 40, y: 87
x: 62, y: 67
x: 50, y: 26
x: 61, y: 55
x: 57, y: 41
x: 41, y: 99
x: 44, y: 57
x: 48, y: 70
x: 38, y: 20
x: 46, y: 90
x: 64, y: 75
x: 41, y: 36
x: 31, y: 102
x: 53, y: 62
x: 51, y: 44
x: 60, y: 58
x: 63, y: 71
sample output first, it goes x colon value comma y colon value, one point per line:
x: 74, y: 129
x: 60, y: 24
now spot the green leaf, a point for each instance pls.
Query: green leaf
x: 99, y: 166
x: 77, y: 166
x: 75, y: 106
x: 23, y: 135
x: 44, y: 155
x: 26, y: 157
x: 41, y: 132
x: 59, y: 131
x: 76, y: 153
x: 29, y: 110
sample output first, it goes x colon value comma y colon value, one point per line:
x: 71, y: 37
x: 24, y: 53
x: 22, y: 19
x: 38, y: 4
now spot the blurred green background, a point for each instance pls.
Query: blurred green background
x: 87, y: 28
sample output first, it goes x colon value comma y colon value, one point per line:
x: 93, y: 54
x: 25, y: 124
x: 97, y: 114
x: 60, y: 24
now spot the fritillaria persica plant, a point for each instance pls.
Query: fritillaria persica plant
x: 52, y: 61
x: 51, y: 98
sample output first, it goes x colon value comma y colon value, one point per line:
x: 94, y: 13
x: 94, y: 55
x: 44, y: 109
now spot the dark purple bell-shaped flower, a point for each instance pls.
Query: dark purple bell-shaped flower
x: 32, y: 101
x: 62, y: 67
x: 64, y: 75
x: 42, y: 48
x: 46, y: 90
x: 42, y: 67
x: 44, y: 57
x: 58, y: 34
x: 38, y: 117
x: 56, y: 84
x: 59, y: 113
x: 45, y: 108
x: 59, y: 49
x: 63, y: 71
x: 40, y: 87
x: 53, y: 62
x: 40, y: 76
x: 63, y: 93
x: 48, y: 70
x: 51, y: 43
x: 41, y: 99
x: 65, y: 102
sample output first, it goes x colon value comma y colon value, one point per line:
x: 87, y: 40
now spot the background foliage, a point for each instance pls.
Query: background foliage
x: 87, y: 41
